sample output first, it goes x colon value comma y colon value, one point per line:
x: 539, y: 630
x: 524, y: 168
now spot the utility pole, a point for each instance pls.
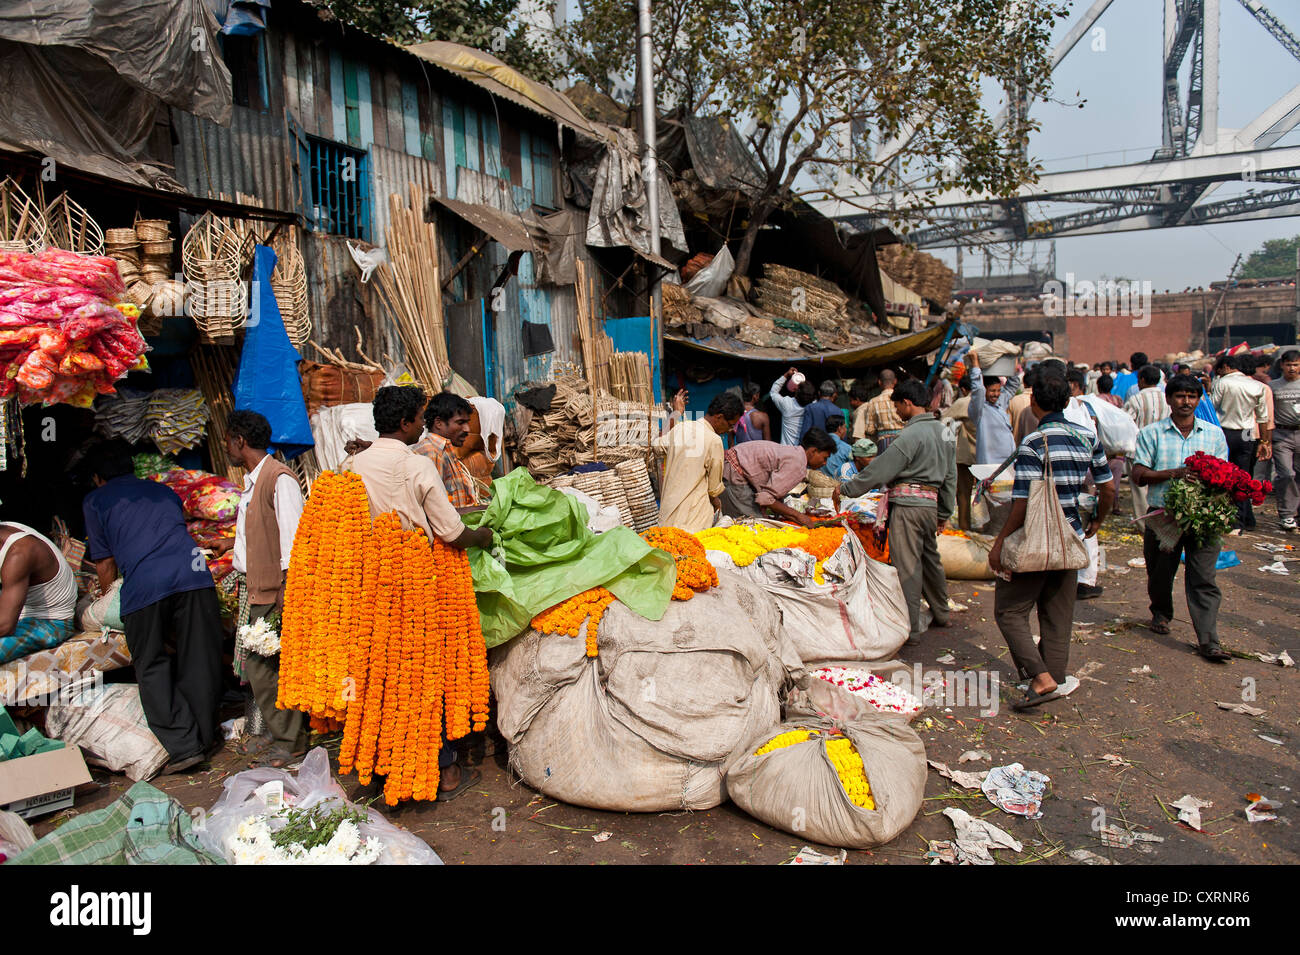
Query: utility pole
x: 1227, y: 331
x: 650, y: 172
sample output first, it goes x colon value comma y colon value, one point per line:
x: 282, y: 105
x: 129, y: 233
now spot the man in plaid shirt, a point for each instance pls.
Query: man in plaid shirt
x: 447, y: 418
x: 1161, y: 450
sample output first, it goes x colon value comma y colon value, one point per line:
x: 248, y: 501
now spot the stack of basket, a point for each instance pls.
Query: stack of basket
x: 124, y: 246
x: 156, y: 246
x: 289, y: 286
x: 640, y: 495
x: 22, y: 224
x: 562, y: 437
x: 213, y: 256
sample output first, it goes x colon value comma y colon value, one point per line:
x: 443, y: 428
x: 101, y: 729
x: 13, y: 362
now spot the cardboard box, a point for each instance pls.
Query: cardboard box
x: 36, y: 785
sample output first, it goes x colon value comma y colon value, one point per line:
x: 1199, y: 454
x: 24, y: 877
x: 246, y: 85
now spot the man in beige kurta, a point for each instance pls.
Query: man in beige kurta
x: 692, y: 480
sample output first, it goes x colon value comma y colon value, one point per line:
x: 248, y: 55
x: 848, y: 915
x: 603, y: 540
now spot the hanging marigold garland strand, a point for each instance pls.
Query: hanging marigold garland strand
x: 382, y: 632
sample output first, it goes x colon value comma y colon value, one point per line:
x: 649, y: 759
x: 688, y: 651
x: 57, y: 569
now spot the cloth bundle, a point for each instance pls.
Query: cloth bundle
x: 176, y: 418
x: 123, y: 415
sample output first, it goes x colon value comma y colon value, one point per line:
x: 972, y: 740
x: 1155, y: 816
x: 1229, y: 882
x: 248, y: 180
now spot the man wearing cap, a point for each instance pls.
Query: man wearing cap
x: 919, y: 468
x: 863, y: 453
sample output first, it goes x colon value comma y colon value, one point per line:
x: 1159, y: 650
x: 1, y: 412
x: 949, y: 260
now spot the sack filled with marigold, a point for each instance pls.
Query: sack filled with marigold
x: 647, y: 724
x: 855, y: 784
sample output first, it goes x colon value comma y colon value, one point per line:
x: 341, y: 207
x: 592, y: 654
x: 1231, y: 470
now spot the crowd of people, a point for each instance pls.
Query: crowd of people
x: 918, y: 439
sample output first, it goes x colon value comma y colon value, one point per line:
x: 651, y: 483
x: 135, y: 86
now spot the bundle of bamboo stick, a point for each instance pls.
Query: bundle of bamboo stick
x: 597, y: 347
x: 214, y: 372
x: 411, y: 291
x: 629, y: 376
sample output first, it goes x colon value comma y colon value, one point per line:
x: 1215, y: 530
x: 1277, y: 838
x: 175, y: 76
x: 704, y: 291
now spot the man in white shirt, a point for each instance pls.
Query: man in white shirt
x: 791, y: 406
x: 1242, y: 406
x: 1082, y: 417
x: 1146, y: 408
x: 269, y: 509
x: 692, y: 483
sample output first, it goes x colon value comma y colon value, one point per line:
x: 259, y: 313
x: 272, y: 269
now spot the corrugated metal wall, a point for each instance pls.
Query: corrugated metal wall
x: 250, y: 157
x: 340, y: 303
x: 391, y: 172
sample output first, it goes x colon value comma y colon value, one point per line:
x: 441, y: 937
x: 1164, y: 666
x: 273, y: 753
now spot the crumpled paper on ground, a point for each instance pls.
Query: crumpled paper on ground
x: 1116, y: 837
x: 810, y: 856
x: 962, y: 779
x: 976, y: 837
x: 1189, y: 810
x: 1242, y: 708
x: 1016, y: 790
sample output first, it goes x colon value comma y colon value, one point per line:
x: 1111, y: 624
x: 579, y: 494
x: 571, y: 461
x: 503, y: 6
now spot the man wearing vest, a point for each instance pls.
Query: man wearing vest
x: 269, y: 509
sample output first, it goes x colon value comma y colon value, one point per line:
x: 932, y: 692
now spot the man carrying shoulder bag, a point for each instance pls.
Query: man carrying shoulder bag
x: 1039, y: 551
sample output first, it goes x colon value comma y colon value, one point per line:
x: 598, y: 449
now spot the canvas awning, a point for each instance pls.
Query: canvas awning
x: 887, y: 352
x: 506, y: 228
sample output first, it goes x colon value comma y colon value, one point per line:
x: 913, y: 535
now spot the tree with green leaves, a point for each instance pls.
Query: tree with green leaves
x: 819, y: 84
x: 1275, y: 259
x: 494, y: 26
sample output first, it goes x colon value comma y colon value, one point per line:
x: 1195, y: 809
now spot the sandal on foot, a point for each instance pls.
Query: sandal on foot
x: 467, y: 781
x: 1031, y: 698
x: 1158, y: 625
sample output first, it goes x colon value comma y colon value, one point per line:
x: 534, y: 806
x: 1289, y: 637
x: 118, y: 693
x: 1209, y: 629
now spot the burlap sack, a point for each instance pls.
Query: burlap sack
x: 648, y: 724
x: 109, y: 725
x: 858, y: 614
x: 965, y: 558
x: 813, y: 696
x: 796, y: 789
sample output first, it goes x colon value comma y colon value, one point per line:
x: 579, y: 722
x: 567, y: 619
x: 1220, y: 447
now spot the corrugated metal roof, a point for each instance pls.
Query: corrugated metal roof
x: 507, y: 229
x: 250, y: 157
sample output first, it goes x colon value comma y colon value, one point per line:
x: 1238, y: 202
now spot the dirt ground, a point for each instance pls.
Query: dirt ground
x: 1163, y: 725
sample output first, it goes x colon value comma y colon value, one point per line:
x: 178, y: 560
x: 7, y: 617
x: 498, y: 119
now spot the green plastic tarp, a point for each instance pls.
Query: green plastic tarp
x: 548, y: 555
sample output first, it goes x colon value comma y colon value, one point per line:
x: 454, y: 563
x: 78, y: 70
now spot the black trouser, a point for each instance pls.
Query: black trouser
x: 1203, y: 594
x: 180, y: 695
x: 1241, y: 452
x: 1052, y: 593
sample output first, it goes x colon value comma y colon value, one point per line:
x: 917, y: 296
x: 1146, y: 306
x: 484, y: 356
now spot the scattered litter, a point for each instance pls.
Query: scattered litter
x: 1144, y: 668
x: 1271, y: 739
x: 946, y: 659
x: 810, y: 856
x: 1261, y: 808
x: 955, y: 607
x: 1115, y: 837
x: 233, y: 728
x: 1242, y: 708
x: 975, y: 837
x: 942, y: 850
x: 1282, y: 659
x: 1116, y: 760
x: 1139, y: 562
x: 1277, y: 567
x: 1016, y: 790
x: 971, y: 755
x: 1274, y: 548
x: 1226, y: 559
x: 1119, y: 571
x: 1189, y: 810
x: 1087, y: 857
x: 602, y: 836
x: 963, y: 779
x: 1085, y: 672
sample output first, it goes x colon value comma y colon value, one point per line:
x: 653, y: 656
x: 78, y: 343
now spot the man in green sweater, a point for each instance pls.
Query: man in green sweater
x: 920, y: 469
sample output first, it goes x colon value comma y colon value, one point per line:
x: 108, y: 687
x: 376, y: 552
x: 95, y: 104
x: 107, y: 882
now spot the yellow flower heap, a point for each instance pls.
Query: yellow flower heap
x: 744, y: 543
x: 843, y: 756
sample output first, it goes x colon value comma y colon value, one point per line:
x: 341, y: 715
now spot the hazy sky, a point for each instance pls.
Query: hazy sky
x: 1122, y: 88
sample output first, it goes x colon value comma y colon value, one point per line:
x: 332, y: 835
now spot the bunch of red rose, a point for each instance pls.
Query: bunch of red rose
x: 1221, y: 475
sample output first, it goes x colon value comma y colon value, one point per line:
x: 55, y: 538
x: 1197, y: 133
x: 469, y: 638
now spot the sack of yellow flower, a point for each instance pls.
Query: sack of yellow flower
x: 648, y: 724
x: 855, y: 611
x: 855, y: 784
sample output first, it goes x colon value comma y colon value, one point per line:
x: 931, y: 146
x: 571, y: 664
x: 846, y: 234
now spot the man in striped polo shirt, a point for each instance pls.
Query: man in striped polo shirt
x: 1075, y: 453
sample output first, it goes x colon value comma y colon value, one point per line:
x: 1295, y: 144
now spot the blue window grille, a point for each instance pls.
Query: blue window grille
x: 340, y: 188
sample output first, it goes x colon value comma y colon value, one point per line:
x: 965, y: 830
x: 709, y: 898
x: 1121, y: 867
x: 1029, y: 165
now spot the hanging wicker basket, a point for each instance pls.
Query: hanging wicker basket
x: 69, y: 226
x: 289, y: 285
x: 153, y: 230
x: 22, y: 223
x: 212, y: 262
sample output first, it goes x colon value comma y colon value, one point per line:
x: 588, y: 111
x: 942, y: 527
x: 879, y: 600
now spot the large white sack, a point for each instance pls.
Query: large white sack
x: 649, y: 723
x: 858, y: 614
x: 797, y: 790
x: 813, y: 696
x: 109, y: 725
x: 1116, y: 430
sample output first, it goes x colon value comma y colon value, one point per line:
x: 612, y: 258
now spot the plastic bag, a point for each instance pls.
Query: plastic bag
x: 103, y: 612
x: 711, y: 280
x: 109, y: 725
x: 312, y: 785
x: 367, y: 261
x: 796, y: 788
x: 1116, y: 430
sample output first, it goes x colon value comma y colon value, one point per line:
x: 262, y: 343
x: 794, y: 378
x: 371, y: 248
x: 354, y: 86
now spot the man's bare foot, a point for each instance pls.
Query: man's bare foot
x: 449, y: 779
x: 1043, y: 684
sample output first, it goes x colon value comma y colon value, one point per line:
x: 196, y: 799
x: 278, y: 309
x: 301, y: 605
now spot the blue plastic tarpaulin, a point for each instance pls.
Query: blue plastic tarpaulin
x: 267, y: 381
